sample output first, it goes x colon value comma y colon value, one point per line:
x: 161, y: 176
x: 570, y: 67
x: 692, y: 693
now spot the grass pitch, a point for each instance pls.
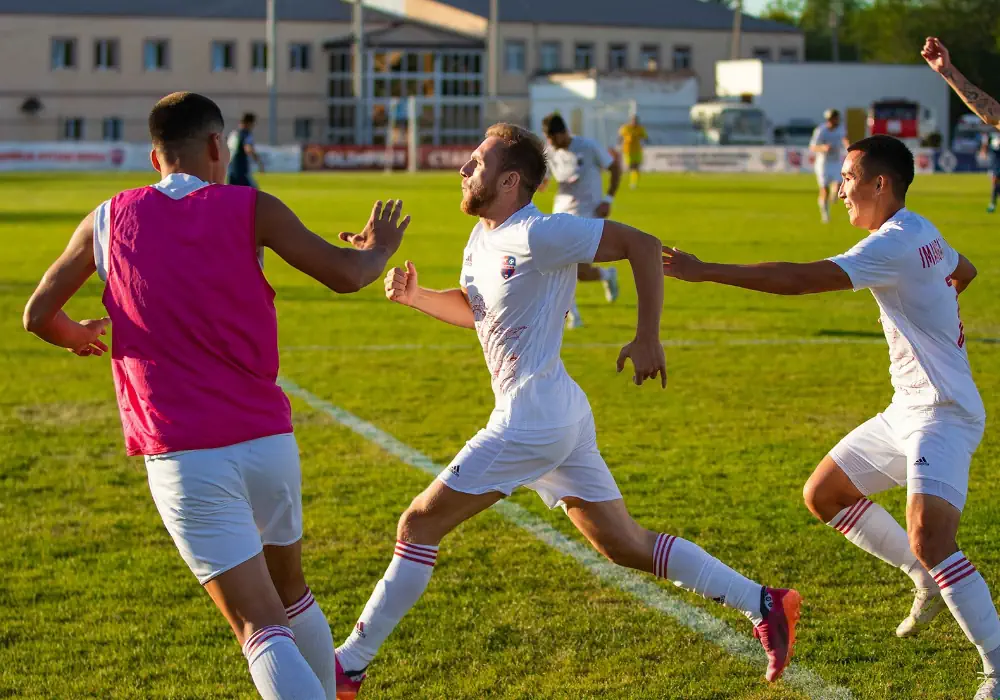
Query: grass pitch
x: 95, y: 601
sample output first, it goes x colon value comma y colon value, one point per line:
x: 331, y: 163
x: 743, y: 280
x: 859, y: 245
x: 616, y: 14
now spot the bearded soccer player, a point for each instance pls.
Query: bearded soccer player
x: 516, y: 283
x: 925, y: 439
x: 195, y: 361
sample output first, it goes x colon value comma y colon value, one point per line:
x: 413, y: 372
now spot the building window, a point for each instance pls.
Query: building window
x: 303, y: 128
x: 300, y: 57
x: 789, y: 56
x: 550, y: 57
x: 155, y: 54
x: 583, y: 57
x: 223, y: 55
x: 617, y: 57
x: 258, y: 56
x: 72, y: 128
x: 513, y: 56
x: 63, y: 54
x: 106, y: 54
x: 649, y: 57
x: 762, y: 53
x: 112, y: 129
x: 682, y: 58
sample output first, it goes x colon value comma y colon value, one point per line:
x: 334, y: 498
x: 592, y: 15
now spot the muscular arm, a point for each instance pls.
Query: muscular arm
x: 621, y: 242
x: 771, y: 278
x: 344, y: 270
x: 963, y: 275
x: 449, y: 305
x: 43, y: 315
x: 985, y: 107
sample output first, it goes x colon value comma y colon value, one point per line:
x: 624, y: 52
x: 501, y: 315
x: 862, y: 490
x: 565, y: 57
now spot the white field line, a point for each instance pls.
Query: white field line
x: 640, y: 586
x: 741, y: 342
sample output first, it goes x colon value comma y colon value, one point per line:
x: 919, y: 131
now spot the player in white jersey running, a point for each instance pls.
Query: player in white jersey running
x: 517, y: 281
x: 828, y: 142
x: 926, y: 437
x: 576, y: 164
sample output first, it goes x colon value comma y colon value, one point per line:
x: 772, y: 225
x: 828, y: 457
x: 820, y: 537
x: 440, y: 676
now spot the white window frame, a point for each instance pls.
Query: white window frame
x: 116, y: 125
x: 515, y: 56
x: 685, y: 51
x: 550, y: 49
x: 219, y: 48
x: 67, y: 44
x: 110, y: 57
x: 76, y: 125
x: 161, y: 50
x: 582, y: 48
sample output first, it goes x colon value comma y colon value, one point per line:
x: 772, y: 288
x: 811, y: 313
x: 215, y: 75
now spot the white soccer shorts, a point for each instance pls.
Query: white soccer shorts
x: 927, y: 450
x: 221, y: 506
x: 828, y: 176
x: 556, y: 464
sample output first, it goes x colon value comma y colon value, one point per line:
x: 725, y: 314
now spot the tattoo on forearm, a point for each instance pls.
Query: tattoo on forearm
x: 985, y: 107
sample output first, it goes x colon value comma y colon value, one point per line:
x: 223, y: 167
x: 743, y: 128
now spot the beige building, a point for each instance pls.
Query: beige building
x: 73, y: 69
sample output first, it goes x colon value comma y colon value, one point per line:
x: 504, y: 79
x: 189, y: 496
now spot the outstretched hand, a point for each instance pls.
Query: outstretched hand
x: 682, y: 266
x: 383, y: 230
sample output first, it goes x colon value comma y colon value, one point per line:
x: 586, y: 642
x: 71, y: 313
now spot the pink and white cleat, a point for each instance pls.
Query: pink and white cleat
x: 348, y: 684
x: 781, y: 608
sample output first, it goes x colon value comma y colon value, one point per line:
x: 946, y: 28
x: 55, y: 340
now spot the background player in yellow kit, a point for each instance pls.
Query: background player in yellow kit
x: 632, y: 135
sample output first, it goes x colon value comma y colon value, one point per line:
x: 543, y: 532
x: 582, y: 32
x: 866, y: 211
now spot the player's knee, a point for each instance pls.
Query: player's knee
x: 931, y: 545
x: 417, y: 523
x: 819, y: 500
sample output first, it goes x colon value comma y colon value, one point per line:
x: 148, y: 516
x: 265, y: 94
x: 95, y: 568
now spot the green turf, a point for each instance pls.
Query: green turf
x: 95, y: 602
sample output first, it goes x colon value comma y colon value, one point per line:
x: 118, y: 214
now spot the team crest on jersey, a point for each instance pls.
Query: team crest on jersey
x: 508, y: 267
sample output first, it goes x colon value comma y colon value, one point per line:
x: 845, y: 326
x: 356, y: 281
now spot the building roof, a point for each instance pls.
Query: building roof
x: 657, y: 14
x: 410, y: 34
x: 653, y: 14
x: 290, y: 10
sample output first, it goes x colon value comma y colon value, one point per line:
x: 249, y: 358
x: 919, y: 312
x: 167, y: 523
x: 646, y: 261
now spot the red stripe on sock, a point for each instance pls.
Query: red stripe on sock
x: 660, y: 540
x: 666, y: 555
x: 264, y: 634
x: 956, y: 575
x: 848, y: 516
x: 418, y: 547
x: 407, y: 557
x: 950, y: 569
x: 843, y: 517
x: 857, y: 516
x: 300, y: 607
x: 416, y: 553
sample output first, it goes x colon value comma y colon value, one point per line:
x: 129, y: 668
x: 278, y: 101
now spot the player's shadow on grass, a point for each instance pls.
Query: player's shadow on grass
x: 70, y: 218
x: 830, y: 333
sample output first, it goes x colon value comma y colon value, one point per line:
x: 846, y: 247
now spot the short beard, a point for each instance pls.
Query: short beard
x: 475, y: 201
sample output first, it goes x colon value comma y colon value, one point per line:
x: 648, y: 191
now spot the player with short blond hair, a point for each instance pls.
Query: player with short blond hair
x: 517, y: 281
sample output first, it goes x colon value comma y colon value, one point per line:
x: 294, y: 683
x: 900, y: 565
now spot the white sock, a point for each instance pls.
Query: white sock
x: 313, y: 638
x: 689, y: 566
x: 605, y: 273
x: 824, y: 207
x: 869, y: 526
x: 277, y: 666
x: 968, y: 598
x: 401, y: 586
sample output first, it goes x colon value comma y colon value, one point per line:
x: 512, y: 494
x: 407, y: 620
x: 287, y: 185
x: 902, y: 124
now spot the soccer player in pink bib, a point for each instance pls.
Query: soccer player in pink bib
x: 195, y: 362
x: 926, y: 437
x: 517, y: 281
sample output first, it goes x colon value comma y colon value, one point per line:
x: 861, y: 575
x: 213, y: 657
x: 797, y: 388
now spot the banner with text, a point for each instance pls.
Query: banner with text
x: 325, y: 157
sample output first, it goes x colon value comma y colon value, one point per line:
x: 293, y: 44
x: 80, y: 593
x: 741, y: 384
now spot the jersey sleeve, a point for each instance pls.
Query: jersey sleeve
x: 102, y: 238
x: 642, y: 133
x: 814, y: 141
x: 563, y: 239
x: 874, y: 262
x: 601, y: 155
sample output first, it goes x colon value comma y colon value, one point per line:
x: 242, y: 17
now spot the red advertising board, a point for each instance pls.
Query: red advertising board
x: 326, y: 157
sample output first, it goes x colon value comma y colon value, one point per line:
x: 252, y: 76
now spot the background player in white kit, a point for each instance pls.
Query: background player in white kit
x: 926, y: 437
x: 828, y: 142
x: 577, y: 164
x: 517, y: 280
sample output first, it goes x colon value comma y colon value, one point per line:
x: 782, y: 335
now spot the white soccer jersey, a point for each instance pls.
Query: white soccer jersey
x: 907, y: 265
x: 834, y: 138
x: 521, y: 278
x: 578, y: 171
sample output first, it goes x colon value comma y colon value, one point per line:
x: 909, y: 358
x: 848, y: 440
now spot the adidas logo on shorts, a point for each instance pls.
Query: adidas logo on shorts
x: 921, y: 460
x: 455, y: 469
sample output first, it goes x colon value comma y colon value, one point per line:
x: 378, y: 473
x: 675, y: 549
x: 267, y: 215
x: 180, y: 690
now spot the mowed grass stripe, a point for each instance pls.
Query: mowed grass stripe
x: 694, y: 618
